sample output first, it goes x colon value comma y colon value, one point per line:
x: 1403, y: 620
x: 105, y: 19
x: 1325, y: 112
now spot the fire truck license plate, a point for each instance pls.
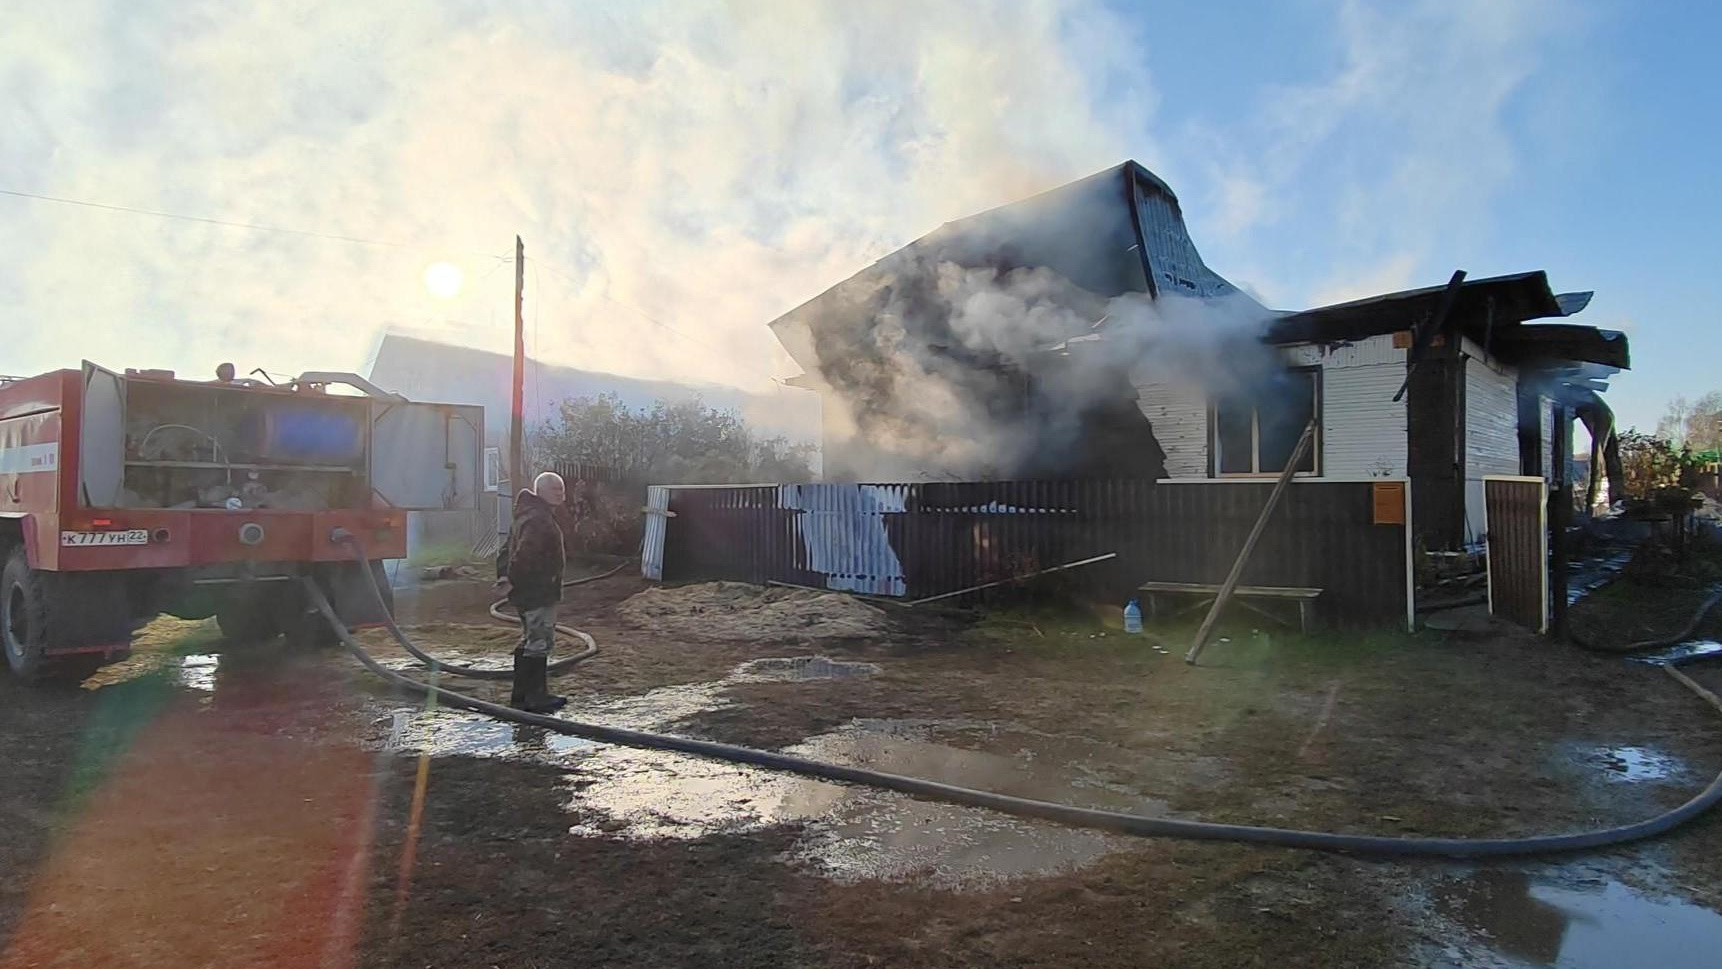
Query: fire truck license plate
x: 131, y: 536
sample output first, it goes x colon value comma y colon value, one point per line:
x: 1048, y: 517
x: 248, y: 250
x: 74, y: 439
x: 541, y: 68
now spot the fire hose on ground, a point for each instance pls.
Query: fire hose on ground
x: 1118, y: 821
x: 479, y: 673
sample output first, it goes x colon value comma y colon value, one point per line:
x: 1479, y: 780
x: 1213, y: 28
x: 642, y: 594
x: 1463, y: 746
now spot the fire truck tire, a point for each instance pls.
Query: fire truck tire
x: 246, y: 616
x: 39, y: 610
x: 302, y: 625
x: 23, y: 617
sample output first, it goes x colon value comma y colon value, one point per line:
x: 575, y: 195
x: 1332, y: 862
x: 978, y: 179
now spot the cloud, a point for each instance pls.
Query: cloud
x: 1388, y: 164
x: 705, y: 165
x: 1391, y: 275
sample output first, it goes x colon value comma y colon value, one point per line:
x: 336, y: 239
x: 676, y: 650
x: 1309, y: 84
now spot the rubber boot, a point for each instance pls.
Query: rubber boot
x: 539, y: 699
x: 522, y: 682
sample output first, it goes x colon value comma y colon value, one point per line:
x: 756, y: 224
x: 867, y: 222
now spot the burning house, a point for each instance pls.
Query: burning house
x: 1078, y: 334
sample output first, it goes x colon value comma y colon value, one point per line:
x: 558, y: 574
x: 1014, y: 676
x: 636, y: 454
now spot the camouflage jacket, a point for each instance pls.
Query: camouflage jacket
x: 531, y: 560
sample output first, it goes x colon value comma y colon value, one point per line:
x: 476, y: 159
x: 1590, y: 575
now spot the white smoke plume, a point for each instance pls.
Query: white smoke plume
x: 703, y: 165
x: 951, y: 371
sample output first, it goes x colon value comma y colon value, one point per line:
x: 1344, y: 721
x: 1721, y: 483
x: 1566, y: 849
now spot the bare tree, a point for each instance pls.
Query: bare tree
x: 1693, y: 424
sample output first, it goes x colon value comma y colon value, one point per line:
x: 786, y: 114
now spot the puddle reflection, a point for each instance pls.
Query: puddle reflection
x: 1581, y: 928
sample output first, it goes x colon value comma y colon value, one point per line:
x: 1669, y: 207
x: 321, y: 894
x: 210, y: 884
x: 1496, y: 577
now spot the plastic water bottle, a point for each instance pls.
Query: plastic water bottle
x: 1133, y: 618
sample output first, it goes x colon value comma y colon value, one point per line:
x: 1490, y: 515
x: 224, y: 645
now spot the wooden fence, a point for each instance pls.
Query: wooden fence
x: 1348, y: 538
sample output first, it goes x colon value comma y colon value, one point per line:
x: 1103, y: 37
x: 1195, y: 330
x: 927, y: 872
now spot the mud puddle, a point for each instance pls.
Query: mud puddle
x: 1632, y: 764
x: 1594, y: 574
x: 445, y: 733
x: 454, y: 732
x: 459, y: 733
x: 850, y: 833
x: 197, y: 671
x: 1600, y: 923
x: 1681, y: 652
x: 796, y: 669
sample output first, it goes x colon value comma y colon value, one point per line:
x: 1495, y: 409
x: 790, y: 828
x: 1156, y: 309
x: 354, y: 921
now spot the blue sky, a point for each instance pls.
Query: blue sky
x: 683, y: 172
x: 1597, y: 162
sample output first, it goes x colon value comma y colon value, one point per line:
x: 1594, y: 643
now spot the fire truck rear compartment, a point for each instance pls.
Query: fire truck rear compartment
x: 211, y: 446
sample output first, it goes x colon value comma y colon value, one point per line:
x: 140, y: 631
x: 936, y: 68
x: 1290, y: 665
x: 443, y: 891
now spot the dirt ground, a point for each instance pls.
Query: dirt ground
x: 214, y: 805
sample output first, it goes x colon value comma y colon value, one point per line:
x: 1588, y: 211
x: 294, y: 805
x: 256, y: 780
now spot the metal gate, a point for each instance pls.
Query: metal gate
x: 1515, y: 519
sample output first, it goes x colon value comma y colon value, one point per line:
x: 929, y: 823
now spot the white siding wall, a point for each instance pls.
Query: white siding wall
x: 1363, y: 430
x: 1180, y: 418
x: 1491, y: 430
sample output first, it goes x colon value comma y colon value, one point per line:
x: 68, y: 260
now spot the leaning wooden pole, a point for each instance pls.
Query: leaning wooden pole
x: 1261, y: 525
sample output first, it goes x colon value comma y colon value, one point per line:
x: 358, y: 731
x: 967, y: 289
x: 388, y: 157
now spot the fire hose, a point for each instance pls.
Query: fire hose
x: 475, y: 672
x: 1118, y: 821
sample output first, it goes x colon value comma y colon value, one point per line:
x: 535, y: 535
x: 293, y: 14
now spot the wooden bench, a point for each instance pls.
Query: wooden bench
x: 1303, y: 597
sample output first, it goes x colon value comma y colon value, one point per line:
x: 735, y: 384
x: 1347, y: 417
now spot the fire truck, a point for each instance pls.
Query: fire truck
x: 127, y: 495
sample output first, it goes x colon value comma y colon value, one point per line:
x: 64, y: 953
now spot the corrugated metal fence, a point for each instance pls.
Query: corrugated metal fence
x: 924, y: 539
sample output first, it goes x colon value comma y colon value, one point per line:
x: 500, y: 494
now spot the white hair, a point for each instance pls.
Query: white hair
x: 544, y: 478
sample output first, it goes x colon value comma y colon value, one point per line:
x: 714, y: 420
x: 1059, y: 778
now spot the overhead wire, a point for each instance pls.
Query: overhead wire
x: 235, y: 224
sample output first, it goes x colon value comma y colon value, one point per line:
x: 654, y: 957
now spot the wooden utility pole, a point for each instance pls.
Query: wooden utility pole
x: 517, y: 430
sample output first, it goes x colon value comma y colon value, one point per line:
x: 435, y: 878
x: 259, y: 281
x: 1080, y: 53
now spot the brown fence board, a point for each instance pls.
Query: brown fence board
x: 1516, y: 524
x: 935, y: 537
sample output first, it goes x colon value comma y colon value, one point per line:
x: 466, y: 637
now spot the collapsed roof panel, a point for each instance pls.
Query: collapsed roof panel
x: 1494, y: 312
x: 1566, y: 341
x: 1507, y: 299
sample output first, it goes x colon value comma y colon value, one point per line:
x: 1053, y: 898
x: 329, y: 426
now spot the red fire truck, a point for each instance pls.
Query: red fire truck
x: 127, y: 495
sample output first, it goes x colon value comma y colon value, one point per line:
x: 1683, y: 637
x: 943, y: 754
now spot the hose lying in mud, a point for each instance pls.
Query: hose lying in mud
x: 1064, y: 813
x: 1684, y: 634
x: 475, y: 672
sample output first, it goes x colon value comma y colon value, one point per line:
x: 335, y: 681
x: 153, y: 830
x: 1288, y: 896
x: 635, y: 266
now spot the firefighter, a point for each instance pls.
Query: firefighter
x: 529, y: 573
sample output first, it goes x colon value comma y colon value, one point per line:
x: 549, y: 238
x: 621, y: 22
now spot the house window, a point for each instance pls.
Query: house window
x: 1256, y: 433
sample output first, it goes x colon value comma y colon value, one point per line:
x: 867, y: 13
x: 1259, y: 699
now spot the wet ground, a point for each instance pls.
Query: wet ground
x: 205, y: 804
x: 1572, y: 922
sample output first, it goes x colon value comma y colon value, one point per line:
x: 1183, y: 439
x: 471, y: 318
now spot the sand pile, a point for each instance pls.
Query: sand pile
x: 737, y: 610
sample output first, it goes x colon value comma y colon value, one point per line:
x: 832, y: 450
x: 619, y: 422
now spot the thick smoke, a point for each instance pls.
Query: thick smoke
x: 965, y: 372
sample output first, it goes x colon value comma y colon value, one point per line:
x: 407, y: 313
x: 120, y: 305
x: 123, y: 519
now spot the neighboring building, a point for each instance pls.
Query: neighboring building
x: 1479, y: 396
x: 429, y: 370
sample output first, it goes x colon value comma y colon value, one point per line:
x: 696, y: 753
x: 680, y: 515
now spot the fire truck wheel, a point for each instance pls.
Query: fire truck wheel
x: 41, y: 610
x: 23, y: 616
x: 304, y: 626
x: 247, y: 617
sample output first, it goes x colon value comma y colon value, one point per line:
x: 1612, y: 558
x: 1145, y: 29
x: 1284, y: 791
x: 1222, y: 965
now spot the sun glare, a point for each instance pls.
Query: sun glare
x: 444, y: 279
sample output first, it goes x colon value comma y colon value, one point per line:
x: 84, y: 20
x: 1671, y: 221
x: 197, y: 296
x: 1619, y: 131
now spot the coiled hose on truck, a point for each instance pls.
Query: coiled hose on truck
x: 1131, y: 824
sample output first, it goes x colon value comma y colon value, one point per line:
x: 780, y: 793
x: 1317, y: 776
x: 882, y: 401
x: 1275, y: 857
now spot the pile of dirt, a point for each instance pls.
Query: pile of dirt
x: 736, y: 610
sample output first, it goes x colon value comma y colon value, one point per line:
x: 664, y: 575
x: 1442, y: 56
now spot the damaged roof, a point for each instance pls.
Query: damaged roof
x: 1122, y: 230
x: 1494, y: 312
x: 1117, y: 231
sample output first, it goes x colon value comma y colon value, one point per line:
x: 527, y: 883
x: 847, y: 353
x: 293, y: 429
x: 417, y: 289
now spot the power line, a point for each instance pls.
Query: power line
x: 227, y: 223
x: 537, y: 362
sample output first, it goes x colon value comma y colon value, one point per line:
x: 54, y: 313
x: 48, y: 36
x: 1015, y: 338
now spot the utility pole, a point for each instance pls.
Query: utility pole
x: 517, y: 431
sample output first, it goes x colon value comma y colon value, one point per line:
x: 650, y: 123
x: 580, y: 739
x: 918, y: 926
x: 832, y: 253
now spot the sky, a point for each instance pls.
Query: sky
x: 682, y: 173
